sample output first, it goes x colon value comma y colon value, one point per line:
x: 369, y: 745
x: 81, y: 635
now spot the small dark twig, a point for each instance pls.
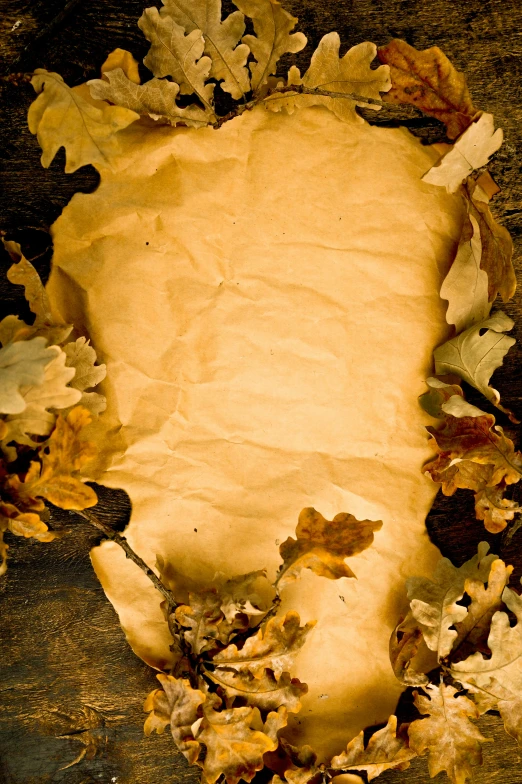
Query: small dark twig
x: 114, y: 536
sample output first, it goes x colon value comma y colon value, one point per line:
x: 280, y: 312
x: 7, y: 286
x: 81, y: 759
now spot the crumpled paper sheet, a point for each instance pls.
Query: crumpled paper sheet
x: 266, y: 299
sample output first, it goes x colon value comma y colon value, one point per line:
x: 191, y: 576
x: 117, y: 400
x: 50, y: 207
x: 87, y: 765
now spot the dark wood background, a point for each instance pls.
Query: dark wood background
x: 69, y: 683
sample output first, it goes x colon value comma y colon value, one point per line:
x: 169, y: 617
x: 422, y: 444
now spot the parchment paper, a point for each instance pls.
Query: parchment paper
x: 266, y: 299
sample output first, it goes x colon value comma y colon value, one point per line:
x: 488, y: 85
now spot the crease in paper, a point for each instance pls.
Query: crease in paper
x: 266, y: 299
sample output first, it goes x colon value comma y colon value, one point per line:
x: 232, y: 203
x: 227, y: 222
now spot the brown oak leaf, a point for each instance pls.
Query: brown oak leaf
x: 205, y: 622
x: 273, y: 647
x: 266, y: 693
x: 322, y: 545
x: 427, y: 80
x: 177, y: 704
x: 404, y: 644
x: 494, y: 509
x: 452, y: 741
x: 387, y: 749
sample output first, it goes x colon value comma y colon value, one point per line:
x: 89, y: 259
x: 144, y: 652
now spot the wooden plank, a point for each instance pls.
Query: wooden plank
x: 70, y: 684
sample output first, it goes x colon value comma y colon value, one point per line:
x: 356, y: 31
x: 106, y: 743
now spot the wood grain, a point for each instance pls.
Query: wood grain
x: 70, y: 687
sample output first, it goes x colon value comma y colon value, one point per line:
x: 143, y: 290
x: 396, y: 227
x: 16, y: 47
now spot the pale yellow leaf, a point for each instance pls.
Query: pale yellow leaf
x: 22, y: 365
x: 120, y: 58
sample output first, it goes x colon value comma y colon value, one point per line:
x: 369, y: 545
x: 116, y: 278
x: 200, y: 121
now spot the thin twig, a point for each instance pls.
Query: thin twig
x: 114, y: 536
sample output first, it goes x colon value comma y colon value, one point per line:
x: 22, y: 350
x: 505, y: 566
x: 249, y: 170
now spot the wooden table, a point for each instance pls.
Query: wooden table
x: 70, y: 686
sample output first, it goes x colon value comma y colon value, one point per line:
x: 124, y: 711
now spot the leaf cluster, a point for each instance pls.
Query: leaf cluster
x: 45, y: 409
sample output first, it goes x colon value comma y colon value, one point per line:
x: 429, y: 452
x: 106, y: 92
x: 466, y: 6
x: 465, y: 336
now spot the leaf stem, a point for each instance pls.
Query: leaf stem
x: 114, y: 536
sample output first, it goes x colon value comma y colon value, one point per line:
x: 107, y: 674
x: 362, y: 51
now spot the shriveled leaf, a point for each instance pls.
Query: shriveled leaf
x: 60, y: 117
x: 120, y: 58
x: 273, y: 647
x: 22, y: 364
x: 497, y: 246
x: 437, y: 395
x: 205, y: 622
x: 473, y: 455
x: 322, y: 545
x: 350, y: 74
x: 471, y: 151
x: 404, y: 644
x: 473, y: 630
x: 433, y: 603
x: 474, y: 356
x: 273, y: 37
x: 500, y: 675
x: 172, y: 53
x: 296, y: 765
x: 266, y: 693
x: 221, y: 40
x: 176, y: 704
x: 26, y: 524
x: 247, y: 594
x: 427, y: 80
x: 386, y: 750
x: 81, y: 356
x: 235, y: 740
x: 156, y: 98
x: 68, y: 452
x: 452, y: 741
x: 494, y: 509
x: 466, y: 284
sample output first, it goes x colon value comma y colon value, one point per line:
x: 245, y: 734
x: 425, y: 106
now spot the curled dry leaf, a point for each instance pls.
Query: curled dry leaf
x: 322, y: 545
x: 273, y: 37
x: 387, y: 749
x: 497, y: 245
x: 452, y: 741
x: 476, y: 353
x: 473, y: 455
x: 274, y: 647
x: 22, y: 364
x: 296, y: 765
x: 54, y: 479
x: 434, y: 603
x: 266, y: 692
x: 221, y: 40
x: 472, y: 150
x: 205, y: 623
x: 427, y: 80
x: 176, y: 704
x: 405, y: 641
x: 172, y: 53
x: 494, y: 509
x: 499, y: 676
x: 437, y: 395
x: 236, y: 740
x: 350, y: 74
x: 60, y: 117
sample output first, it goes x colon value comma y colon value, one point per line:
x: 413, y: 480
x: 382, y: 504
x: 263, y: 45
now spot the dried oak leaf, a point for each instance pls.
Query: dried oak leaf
x: 82, y: 357
x: 497, y: 245
x: 349, y: 74
x: 471, y: 151
x: 266, y: 693
x: 221, y: 40
x: 386, y: 750
x: 22, y: 364
x: 499, y: 676
x: 236, y: 740
x: 176, y: 704
x: 452, y: 741
x: 180, y: 56
x: 475, y: 356
x: 472, y: 630
x: 205, y: 623
x: 494, y: 509
x: 404, y: 644
x: 273, y: 647
x: 466, y: 284
x: 53, y: 392
x: 68, y: 452
x: 472, y: 455
x: 60, y: 117
x: 295, y: 765
x: 250, y: 594
x: 322, y: 545
x: 437, y: 395
x: 156, y: 98
x: 27, y: 524
x: 434, y: 603
x: 273, y: 37
x: 427, y: 80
